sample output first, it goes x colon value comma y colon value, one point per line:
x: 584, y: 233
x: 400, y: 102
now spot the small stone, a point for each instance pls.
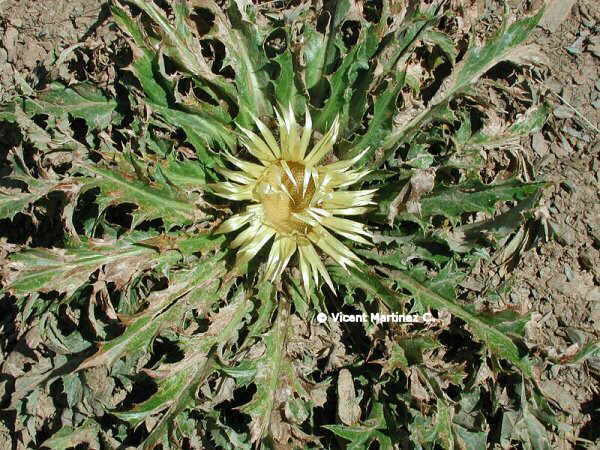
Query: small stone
x: 593, y: 295
x: 564, y: 235
x: 569, y: 273
x: 576, y: 48
x: 586, y: 259
x: 9, y: 42
x: 557, y: 393
x: 595, y: 313
x: 594, y: 46
x: 558, y: 150
x: 568, y: 186
x: 556, y: 13
x: 560, y: 286
x: 539, y: 144
x: 554, y: 85
x: 563, y: 112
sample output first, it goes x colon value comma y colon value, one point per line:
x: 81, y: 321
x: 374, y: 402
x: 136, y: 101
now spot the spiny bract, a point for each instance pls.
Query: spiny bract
x: 295, y: 199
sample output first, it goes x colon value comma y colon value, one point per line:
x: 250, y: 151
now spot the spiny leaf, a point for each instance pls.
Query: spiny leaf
x: 530, y: 122
x: 65, y: 270
x: 338, y: 103
x: 13, y: 201
x: 374, y: 429
x: 84, y: 101
x: 467, y: 197
x: 286, y: 91
x: 178, y: 41
x: 203, y: 131
x: 183, y: 379
x: 275, y: 375
x: 243, y: 39
x: 476, y: 62
x: 495, y: 339
x: 154, y: 200
x: 69, y: 436
x: 141, y: 329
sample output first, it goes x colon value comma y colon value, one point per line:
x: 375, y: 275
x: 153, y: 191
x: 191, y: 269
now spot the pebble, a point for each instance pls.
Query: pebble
x: 563, y: 112
x: 593, y: 295
x: 568, y: 186
x: 586, y: 259
x: 569, y: 273
x: 564, y: 234
x: 539, y: 144
x: 9, y: 43
x: 576, y: 48
x: 554, y: 85
x: 595, y: 313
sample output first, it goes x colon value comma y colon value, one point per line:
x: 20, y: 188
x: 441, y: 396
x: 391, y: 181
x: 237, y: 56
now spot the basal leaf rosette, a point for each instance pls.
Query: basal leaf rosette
x: 294, y: 199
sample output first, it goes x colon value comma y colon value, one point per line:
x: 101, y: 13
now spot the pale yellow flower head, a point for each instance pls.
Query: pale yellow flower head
x: 294, y: 200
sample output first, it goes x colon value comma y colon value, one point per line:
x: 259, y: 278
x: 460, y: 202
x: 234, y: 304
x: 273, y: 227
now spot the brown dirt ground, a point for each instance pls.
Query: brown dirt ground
x: 558, y: 281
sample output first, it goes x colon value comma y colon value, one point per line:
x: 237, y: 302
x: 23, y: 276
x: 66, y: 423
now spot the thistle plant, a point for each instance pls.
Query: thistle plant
x: 296, y: 200
x: 201, y: 229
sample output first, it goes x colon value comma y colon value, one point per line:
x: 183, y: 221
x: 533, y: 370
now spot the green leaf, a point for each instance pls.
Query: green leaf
x: 453, y: 201
x: 12, y: 200
x: 286, y: 90
x: 530, y: 122
x: 68, y: 436
x: 496, y: 341
x: 476, y: 62
x: 141, y: 329
x: 442, y: 432
x: 443, y: 41
x: 381, y: 123
x: 339, y: 100
x: 371, y: 430
x: 275, y: 374
x: 536, y: 433
x: 203, y: 132
x: 178, y: 42
x: 65, y: 270
x: 180, y: 381
x: 243, y: 39
x: 591, y: 350
x: 319, y: 51
x: 83, y: 101
x: 467, y: 197
x: 154, y: 200
x: 184, y: 174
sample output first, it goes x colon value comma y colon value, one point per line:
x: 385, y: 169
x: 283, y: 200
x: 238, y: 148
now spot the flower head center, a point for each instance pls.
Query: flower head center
x: 282, y: 194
